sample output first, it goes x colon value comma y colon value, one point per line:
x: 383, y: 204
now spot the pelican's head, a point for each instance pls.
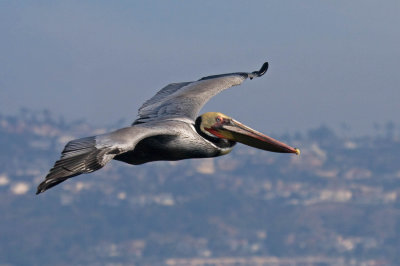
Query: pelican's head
x: 222, y: 126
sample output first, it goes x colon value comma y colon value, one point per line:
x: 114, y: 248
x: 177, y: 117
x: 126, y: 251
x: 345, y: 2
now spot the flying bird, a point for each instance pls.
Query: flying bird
x: 168, y: 128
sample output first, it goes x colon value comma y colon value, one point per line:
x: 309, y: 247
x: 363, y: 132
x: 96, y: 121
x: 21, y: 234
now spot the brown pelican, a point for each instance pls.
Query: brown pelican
x: 167, y: 128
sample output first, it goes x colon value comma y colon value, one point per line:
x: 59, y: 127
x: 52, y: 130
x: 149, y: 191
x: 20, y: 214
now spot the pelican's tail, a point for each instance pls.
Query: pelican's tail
x: 79, y: 156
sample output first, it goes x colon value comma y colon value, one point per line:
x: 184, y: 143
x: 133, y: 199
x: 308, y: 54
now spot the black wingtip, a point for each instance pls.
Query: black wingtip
x: 263, y: 69
x: 260, y: 72
x: 40, y: 188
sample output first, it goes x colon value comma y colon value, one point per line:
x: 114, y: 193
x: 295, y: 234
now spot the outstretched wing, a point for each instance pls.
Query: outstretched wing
x: 185, y: 99
x: 89, y: 154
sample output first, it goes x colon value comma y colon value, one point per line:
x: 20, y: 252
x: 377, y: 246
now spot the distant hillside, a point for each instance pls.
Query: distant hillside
x: 336, y: 204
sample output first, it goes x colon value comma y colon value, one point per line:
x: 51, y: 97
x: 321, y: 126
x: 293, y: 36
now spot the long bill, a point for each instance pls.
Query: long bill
x: 236, y: 131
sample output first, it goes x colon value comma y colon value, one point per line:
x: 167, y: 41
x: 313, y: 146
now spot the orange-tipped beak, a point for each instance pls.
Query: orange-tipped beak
x: 236, y: 131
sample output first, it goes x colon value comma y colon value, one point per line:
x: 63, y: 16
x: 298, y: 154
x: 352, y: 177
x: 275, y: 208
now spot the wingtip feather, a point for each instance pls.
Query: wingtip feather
x: 263, y: 69
x: 260, y: 72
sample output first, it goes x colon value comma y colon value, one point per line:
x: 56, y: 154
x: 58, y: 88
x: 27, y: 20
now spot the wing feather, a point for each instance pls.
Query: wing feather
x: 89, y: 154
x: 185, y: 99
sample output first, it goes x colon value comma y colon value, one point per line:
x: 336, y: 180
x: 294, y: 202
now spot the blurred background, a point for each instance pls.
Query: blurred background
x: 70, y: 69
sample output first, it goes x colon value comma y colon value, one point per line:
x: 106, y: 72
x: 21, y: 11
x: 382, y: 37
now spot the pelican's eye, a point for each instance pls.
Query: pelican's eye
x: 218, y: 119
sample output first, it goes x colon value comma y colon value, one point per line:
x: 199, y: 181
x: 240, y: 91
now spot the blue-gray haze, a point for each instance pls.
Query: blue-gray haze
x: 331, y: 62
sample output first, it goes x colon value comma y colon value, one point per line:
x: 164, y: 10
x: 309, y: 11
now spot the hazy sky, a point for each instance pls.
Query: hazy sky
x: 330, y: 61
